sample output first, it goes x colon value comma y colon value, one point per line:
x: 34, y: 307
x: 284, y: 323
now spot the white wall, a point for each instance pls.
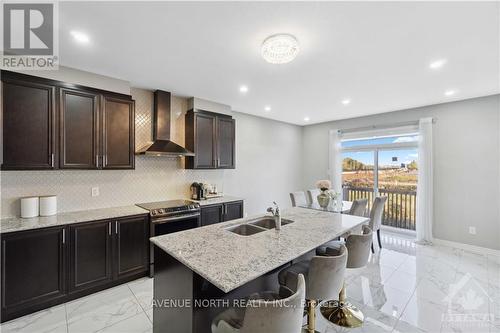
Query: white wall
x: 466, y: 164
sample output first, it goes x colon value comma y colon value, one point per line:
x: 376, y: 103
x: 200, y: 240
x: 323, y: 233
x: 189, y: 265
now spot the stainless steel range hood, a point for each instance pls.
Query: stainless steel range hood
x: 161, y: 144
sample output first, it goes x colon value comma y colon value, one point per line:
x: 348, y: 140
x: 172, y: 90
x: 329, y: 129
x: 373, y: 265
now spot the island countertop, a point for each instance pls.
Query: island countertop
x: 228, y: 260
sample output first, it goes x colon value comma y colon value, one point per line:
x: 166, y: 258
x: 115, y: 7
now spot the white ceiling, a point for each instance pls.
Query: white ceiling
x: 375, y: 54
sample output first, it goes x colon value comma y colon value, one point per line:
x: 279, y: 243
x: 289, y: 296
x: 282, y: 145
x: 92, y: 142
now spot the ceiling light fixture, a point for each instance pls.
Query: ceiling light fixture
x: 280, y: 48
x: 244, y: 89
x: 449, y: 92
x: 437, y: 64
x: 306, y: 119
x: 80, y: 36
x: 346, y: 101
x: 267, y: 108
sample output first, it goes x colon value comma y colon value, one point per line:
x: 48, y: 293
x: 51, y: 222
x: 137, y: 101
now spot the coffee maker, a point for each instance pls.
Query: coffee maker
x: 198, y: 191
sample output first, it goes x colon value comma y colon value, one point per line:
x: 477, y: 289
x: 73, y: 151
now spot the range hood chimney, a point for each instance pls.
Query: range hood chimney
x: 161, y: 144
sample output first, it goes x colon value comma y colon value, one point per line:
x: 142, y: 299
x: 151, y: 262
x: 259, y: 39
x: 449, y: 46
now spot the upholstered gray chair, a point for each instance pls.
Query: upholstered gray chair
x: 312, y: 195
x: 324, y: 278
x: 266, y: 312
x: 341, y: 312
x: 376, y: 216
x: 358, y: 207
x: 298, y: 198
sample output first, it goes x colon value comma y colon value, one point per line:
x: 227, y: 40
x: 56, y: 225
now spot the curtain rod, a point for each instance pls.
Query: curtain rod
x: 388, y: 126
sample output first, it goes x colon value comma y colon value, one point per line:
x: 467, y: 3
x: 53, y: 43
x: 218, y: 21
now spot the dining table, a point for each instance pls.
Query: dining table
x: 333, y: 207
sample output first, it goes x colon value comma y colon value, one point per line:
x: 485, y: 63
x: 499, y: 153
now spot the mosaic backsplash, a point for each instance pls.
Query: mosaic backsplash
x: 155, y: 178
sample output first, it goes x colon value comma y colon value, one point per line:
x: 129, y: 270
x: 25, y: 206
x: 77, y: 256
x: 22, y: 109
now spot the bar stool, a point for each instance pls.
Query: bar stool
x: 324, y: 277
x: 266, y: 312
x: 341, y: 312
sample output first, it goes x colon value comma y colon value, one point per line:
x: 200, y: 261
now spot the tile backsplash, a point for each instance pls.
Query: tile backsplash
x: 154, y: 178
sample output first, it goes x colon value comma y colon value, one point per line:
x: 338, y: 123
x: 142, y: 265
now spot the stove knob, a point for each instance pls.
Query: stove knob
x: 153, y: 212
x: 160, y: 211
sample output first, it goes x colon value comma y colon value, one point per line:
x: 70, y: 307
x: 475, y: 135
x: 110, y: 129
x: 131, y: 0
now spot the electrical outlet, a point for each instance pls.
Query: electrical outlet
x: 472, y: 230
x: 95, y: 191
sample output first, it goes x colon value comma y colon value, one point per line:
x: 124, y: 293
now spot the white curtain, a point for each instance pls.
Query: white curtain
x: 335, y: 167
x: 425, y: 183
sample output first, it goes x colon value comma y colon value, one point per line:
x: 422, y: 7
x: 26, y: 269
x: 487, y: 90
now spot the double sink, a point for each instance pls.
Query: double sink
x: 255, y: 226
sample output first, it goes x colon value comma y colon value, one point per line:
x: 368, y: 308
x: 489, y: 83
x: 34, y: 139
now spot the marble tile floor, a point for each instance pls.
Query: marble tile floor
x: 404, y: 288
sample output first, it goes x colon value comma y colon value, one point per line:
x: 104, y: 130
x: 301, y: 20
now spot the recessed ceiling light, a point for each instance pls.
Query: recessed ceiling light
x: 450, y: 92
x: 306, y: 119
x: 80, y: 36
x: 437, y: 63
x: 346, y: 101
x: 267, y: 108
x: 243, y: 89
x: 280, y: 48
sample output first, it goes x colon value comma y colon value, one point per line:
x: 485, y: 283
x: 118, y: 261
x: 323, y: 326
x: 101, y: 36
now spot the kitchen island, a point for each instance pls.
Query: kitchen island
x: 201, y: 271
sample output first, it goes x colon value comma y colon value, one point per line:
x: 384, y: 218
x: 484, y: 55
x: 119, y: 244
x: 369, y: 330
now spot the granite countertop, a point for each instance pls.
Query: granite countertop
x: 228, y: 260
x: 11, y: 224
x: 214, y: 201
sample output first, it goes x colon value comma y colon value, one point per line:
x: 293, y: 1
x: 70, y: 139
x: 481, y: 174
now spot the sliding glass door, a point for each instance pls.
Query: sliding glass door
x: 386, y: 166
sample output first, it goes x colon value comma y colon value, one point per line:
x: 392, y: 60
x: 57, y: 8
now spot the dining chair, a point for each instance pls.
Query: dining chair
x: 266, y: 312
x: 376, y: 216
x: 312, y: 195
x: 358, y: 207
x: 298, y: 199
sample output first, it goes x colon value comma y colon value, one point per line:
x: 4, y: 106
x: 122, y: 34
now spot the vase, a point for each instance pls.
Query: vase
x: 323, y: 199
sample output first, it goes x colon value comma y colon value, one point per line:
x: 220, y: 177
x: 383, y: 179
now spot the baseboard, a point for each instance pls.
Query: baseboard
x: 468, y: 247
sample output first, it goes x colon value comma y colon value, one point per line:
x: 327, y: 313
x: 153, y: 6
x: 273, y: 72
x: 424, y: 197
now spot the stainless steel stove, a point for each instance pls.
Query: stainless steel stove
x: 170, y: 216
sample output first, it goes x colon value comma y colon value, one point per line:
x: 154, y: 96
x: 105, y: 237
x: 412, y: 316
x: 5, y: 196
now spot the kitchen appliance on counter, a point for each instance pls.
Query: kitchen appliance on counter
x: 198, y: 191
x: 170, y: 216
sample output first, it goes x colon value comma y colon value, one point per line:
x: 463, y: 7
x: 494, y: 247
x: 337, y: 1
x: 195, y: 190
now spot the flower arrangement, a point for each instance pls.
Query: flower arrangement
x: 324, y: 185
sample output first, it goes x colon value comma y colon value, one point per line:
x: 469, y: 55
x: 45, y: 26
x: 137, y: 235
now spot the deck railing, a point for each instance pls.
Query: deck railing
x: 400, y: 207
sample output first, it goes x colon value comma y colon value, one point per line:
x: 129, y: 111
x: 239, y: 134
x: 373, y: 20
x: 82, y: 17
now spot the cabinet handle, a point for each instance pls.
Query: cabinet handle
x: 109, y: 228
x: 52, y: 160
x: 64, y: 236
x: 97, y: 160
x: 225, y: 207
x: 116, y: 227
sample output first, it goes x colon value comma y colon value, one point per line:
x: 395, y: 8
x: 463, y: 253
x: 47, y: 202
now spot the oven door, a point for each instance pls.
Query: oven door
x: 167, y: 225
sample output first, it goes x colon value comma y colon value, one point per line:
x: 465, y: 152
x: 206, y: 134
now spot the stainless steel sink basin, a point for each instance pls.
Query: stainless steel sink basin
x: 268, y: 222
x: 245, y: 229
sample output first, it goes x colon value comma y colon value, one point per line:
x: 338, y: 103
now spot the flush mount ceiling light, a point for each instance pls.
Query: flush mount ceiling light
x: 280, y: 48
x: 80, y: 36
x: 243, y: 89
x: 346, y: 101
x: 437, y: 64
x: 450, y: 92
x: 306, y: 119
x: 267, y: 108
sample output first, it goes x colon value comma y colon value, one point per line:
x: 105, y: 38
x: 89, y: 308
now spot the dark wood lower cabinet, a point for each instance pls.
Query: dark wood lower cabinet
x: 221, y: 212
x: 44, y: 267
x: 132, y: 245
x: 33, y: 270
x: 90, y: 255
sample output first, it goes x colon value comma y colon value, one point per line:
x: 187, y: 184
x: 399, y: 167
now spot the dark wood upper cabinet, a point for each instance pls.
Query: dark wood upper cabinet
x: 132, y: 244
x: 33, y: 270
x: 118, y: 145
x: 90, y: 255
x: 225, y: 143
x: 211, y: 137
x: 29, y: 129
x: 79, y: 124
x: 81, y: 128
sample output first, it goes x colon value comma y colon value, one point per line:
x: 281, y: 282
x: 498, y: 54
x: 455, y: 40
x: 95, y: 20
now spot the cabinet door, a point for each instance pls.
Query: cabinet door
x: 33, y: 270
x: 132, y: 245
x: 28, y: 125
x: 212, y: 214
x: 204, y: 132
x: 90, y: 255
x: 118, y: 147
x: 79, y: 129
x: 225, y: 143
x: 233, y: 210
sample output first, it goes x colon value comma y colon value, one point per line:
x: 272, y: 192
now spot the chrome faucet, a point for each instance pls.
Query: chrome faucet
x: 276, y: 214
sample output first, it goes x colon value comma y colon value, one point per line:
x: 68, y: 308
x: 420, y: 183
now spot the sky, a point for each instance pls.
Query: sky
x: 385, y: 156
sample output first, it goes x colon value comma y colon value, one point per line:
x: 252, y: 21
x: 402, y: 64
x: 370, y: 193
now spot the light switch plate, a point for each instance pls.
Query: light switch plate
x: 95, y: 191
x: 472, y: 230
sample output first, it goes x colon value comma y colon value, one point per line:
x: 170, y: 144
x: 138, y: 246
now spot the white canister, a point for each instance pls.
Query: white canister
x: 48, y: 205
x: 29, y: 207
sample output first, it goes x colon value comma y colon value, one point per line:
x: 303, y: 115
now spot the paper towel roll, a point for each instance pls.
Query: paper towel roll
x: 48, y: 205
x: 29, y: 207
